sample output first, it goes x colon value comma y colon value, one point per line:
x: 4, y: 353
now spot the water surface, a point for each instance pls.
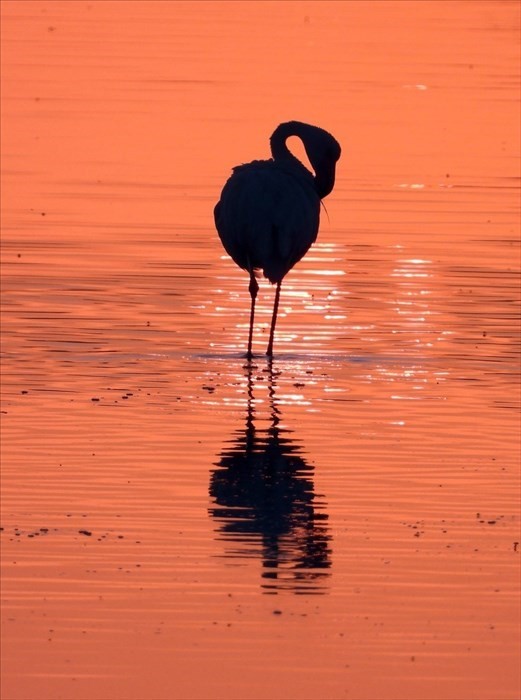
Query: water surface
x: 341, y: 522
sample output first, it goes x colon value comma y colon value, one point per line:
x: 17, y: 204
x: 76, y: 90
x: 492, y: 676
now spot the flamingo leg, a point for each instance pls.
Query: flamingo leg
x: 269, y: 351
x: 254, y: 288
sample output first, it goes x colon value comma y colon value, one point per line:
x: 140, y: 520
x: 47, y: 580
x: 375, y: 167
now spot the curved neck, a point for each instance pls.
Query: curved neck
x: 315, y: 142
x: 279, y: 150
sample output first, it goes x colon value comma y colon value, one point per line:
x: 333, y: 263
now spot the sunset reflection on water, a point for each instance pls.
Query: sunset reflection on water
x: 178, y: 524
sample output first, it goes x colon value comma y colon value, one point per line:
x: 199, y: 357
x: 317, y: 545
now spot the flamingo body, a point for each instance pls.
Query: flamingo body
x: 268, y: 216
x: 269, y: 211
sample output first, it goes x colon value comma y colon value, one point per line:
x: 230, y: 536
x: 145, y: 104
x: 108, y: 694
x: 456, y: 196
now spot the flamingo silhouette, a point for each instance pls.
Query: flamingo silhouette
x: 269, y: 211
x: 264, y: 500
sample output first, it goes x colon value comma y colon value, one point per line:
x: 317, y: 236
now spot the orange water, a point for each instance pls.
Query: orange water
x: 342, y: 522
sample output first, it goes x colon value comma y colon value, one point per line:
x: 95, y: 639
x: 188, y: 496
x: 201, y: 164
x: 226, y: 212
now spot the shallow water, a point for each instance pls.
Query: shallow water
x: 341, y: 522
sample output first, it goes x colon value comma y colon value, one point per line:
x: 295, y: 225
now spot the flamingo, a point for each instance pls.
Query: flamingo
x: 269, y: 210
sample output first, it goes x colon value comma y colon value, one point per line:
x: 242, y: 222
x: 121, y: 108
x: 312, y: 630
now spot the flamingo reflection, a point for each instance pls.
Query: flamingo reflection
x: 265, y: 504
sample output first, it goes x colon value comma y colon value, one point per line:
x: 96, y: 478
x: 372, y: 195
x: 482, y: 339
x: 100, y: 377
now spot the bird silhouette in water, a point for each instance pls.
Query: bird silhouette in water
x: 269, y: 211
x: 264, y: 501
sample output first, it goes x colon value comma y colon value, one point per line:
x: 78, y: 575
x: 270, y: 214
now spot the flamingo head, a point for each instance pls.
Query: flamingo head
x: 323, y: 152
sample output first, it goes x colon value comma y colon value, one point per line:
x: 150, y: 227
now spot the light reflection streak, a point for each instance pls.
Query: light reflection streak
x: 316, y: 294
x: 327, y: 302
x: 324, y: 273
x: 412, y: 302
x: 403, y: 273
